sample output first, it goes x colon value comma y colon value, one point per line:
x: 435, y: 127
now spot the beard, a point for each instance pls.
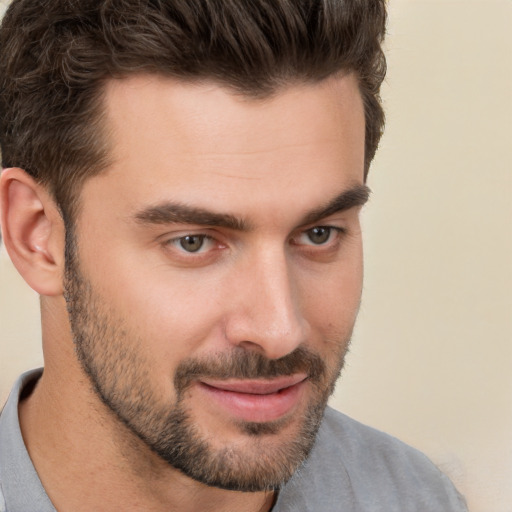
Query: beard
x: 121, y: 376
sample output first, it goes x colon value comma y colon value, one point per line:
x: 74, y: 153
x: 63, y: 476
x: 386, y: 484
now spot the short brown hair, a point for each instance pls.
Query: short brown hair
x: 55, y: 56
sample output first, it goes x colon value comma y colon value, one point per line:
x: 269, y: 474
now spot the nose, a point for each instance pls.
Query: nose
x: 267, y: 314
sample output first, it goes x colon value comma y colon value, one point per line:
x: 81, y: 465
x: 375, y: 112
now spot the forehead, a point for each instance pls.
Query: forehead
x: 197, y: 116
x: 203, y: 143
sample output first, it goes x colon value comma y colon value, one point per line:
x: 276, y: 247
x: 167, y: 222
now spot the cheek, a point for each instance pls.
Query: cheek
x: 334, y: 308
x: 159, y: 315
x: 332, y: 297
x: 168, y: 320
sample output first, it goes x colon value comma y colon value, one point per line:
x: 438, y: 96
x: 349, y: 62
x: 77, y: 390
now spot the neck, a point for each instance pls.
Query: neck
x: 78, y: 445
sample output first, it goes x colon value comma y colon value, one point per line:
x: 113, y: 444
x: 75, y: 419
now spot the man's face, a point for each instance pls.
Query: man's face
x: 217, y: 270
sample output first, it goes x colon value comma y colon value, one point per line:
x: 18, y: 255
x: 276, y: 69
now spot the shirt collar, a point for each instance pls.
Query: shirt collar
x: 19, y: 481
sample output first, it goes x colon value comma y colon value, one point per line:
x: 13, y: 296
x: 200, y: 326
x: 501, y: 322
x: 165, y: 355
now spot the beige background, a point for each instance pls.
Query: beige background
x: 432, y: 355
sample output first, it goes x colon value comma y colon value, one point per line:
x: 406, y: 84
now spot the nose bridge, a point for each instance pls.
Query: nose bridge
x: 269, y: 313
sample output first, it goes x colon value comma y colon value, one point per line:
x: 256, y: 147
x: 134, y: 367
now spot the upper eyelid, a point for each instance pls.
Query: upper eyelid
x: 214, y: 234
x: 325, y: 225
x: 172, y: 239
x: 329, y: 225
x: 182, y: 233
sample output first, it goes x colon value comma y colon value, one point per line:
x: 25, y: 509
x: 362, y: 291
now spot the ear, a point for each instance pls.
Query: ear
x: 33, y: 231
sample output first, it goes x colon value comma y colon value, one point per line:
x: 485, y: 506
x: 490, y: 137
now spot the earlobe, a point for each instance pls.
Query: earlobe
x: 33, y: 231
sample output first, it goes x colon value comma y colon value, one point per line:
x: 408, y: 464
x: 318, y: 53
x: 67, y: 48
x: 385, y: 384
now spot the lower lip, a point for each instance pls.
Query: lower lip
x: 256, y: 408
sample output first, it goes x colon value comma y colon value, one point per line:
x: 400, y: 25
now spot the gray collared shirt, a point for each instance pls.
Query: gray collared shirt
x: 352, y: 468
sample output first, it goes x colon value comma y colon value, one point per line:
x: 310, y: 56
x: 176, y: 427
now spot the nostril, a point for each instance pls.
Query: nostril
x: 251, y: 346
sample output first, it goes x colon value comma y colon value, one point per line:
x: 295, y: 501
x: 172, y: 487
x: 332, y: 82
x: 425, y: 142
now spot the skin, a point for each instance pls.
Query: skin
x: 267, y: 289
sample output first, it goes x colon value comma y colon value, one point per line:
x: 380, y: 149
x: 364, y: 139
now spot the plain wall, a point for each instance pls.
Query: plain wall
x: 431, y: 355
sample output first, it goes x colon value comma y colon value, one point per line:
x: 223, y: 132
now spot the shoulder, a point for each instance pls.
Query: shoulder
x: 353, y: 467
x: 362, y: 448
x: 351, y: 439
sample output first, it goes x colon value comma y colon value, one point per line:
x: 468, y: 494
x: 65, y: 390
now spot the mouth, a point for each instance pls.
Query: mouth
x: 256, y: 400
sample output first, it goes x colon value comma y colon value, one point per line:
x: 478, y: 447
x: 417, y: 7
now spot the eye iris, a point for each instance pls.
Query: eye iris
x: 319, y: 235
x: 192, y: 243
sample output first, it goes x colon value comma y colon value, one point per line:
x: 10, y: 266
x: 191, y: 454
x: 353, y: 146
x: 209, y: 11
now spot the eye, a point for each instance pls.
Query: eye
x: 319, y: 235
x: 192, y: 243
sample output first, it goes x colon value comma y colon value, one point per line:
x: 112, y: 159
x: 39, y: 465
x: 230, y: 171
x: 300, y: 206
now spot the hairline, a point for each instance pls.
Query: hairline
x: 103, y: 132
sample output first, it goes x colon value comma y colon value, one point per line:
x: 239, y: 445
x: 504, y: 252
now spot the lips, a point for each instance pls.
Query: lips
x: 255, y: 400
x: 256, y: 386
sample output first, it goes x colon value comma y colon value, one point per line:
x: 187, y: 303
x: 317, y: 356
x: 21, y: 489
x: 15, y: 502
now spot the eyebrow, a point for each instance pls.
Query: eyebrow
x: 348, y: 199
x: 178, y: 213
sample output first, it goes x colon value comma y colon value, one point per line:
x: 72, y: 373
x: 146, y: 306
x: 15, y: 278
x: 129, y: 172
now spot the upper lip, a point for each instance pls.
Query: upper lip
x: 256, y: 386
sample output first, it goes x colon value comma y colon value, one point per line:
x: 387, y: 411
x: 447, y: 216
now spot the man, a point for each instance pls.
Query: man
x: 182, y: 185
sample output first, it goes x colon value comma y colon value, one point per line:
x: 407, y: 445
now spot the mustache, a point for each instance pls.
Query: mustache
x: 245, y: 364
